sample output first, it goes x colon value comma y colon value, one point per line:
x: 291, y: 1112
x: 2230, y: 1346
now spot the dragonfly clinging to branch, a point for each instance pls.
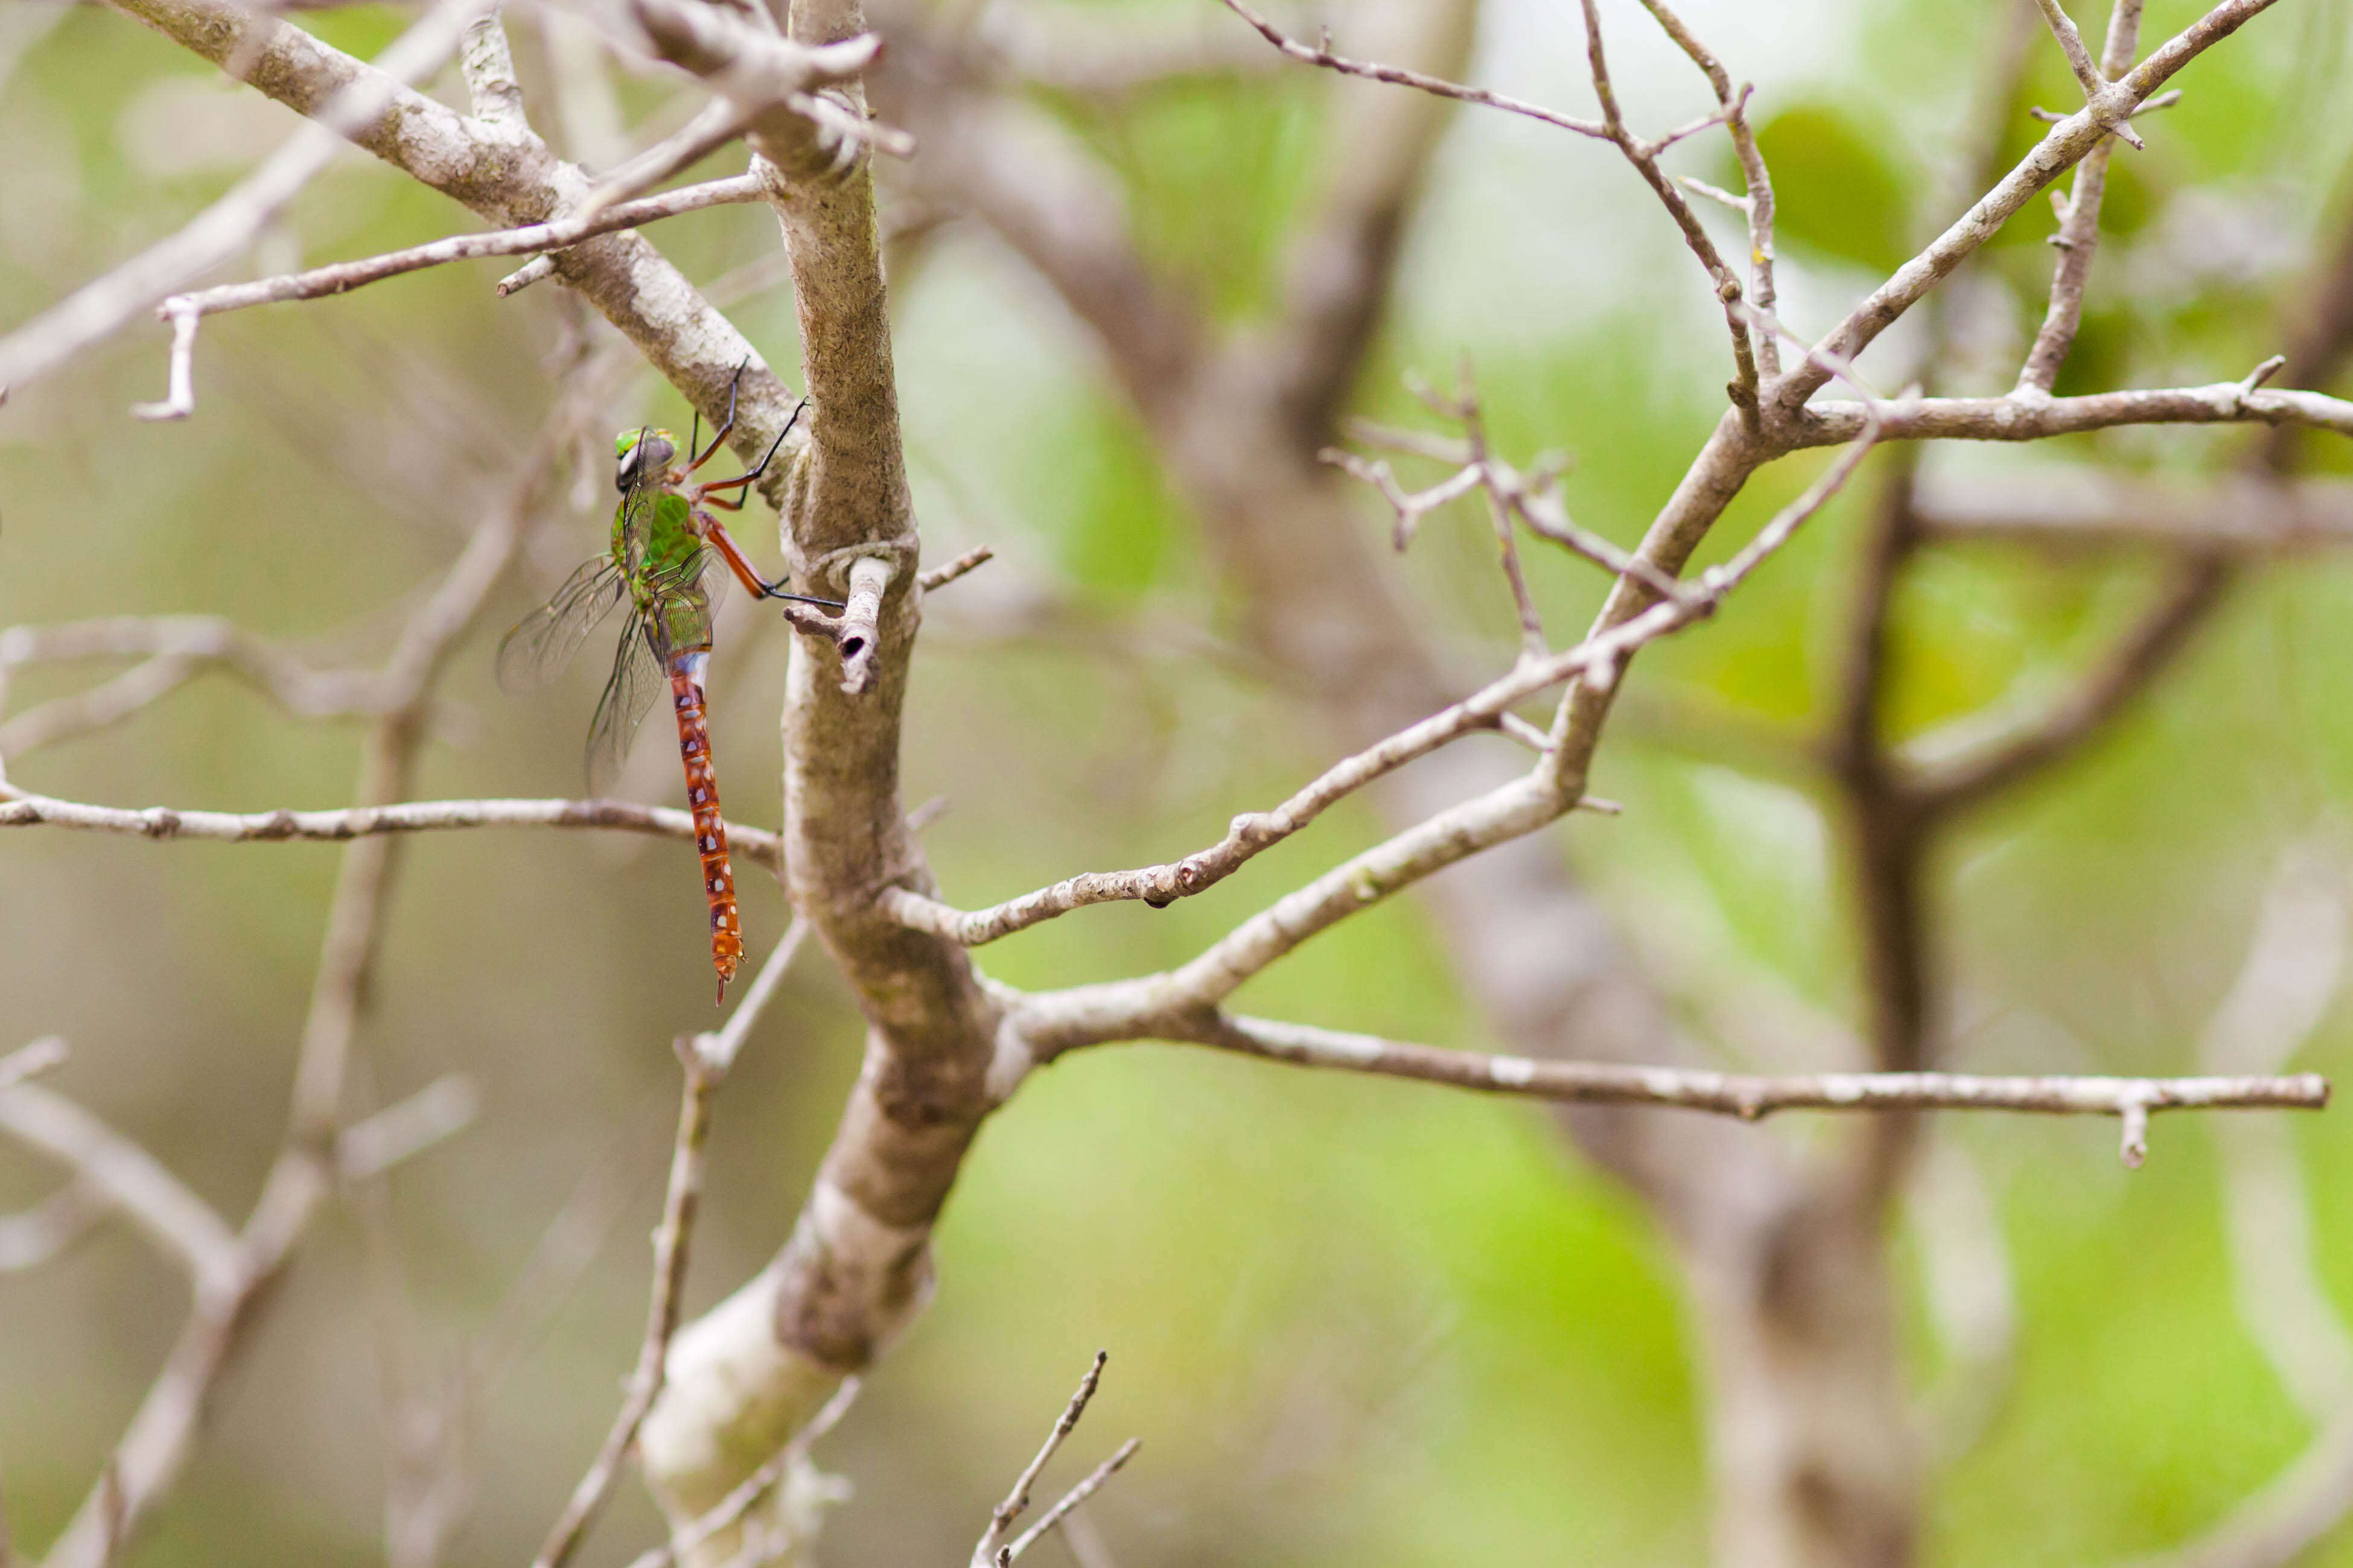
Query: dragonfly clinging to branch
x: 669, y: 562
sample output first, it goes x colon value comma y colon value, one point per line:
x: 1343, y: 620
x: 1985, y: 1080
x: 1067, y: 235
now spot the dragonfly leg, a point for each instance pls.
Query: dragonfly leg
x: 762, y: 466
x: 740, y: 566
x: 721, y: 433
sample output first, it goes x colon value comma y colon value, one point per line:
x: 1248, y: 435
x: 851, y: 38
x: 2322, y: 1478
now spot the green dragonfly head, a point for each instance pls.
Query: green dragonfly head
x: 641, y: 453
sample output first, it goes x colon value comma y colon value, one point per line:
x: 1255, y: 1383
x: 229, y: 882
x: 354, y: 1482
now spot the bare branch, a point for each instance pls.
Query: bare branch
x: 993, y: 1550
x: 858, y: 633
x: 487, y: 64
x: 1747, y: 1096
x: 704, y: 1076
x: 508, y: 179
x: 156, y: 1444
x: 2015, y: 418
x: 2079, y: 227
x: 342, y: 277
x: 1016, y: 1501
x: 176, y: 647
x: 2065, y: 145
x: 180, y: 1225
x: 1089, y: 1014
x: 222, y: 230
x: 772, y: 81
x: 31, y: 1061
x: 1410, y: 506
x: 1076, y: 49
x: 1645, y: 156
x: 1070, y: 1499
x: 401, y: 1132
x: 20, y: 808
x: 941, y: 576
x: 721, y: 1049
x: 2079, y: 58
x: 1415, y: 79
x: 32, y: 1236
x: 1758, y: 204
x: 1532, y: 497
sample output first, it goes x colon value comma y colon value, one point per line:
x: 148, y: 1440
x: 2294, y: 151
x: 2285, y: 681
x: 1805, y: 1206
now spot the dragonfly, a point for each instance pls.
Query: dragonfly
x: 668, y: 562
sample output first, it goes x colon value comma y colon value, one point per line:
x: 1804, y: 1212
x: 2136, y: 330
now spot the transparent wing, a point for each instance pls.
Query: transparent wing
x: 637, y: 677
x: 544, y: 642
x: 682, y: 603
x: 636, y: 523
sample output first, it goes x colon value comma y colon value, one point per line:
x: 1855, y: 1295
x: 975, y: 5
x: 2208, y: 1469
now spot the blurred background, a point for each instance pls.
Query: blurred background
x: 1354, y: 1322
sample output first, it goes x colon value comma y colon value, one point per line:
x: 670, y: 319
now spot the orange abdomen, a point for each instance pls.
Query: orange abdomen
x: 710, y: 828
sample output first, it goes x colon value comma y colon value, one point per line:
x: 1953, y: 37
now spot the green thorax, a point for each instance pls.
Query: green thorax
x: 655, y: 543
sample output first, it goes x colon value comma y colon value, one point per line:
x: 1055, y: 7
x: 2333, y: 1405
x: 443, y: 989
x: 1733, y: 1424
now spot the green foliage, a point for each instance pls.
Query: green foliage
x: 1834, y: 191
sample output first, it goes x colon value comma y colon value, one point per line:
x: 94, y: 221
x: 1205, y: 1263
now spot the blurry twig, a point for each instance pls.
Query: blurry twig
x: 180, y: 1225
x: 31, y: 1061
x: 222, y: 230
x: 175, y: 648
x: 706, y: 1060
x: 155, y: 1446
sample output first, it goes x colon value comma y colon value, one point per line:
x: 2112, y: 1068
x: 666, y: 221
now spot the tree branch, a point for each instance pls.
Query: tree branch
x: 161, y: 1431
x: 1420, y: 81
x: 1746, y: 1096
x: 510, y: 177
x: 2066, y: 145
x: 2015, y: 418
x: 342, y: 277
x: 2079, y: 226
x: 356, y: 106
x: 20, y: 809
x: 180, y: 1225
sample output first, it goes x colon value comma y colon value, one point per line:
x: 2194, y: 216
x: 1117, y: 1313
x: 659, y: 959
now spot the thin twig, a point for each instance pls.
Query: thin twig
x: 2078, y: 238
x: 180, y: 1225
x: 2016, y: 419
x: 1070, y: 1499
x: 941, y: 576
x: 175, y: 647
x: 2067, y: 144
x: 20, y: 809
x: 1743, y: 1095
x: 671, y: 1249
x: 156, y: 1445
x: 706, y: 1060
x: 1254, y: 832
x: 222, y: 230
x: 1398, y: 77
x: 342, y: 277
x: 2079, y: 58
x: 992, y: 1551
x: 405, y: 1128
x: 1732, y: 107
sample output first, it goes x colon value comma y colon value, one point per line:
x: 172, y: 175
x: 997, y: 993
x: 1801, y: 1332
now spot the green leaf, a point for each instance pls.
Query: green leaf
x: 1834, y: 190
